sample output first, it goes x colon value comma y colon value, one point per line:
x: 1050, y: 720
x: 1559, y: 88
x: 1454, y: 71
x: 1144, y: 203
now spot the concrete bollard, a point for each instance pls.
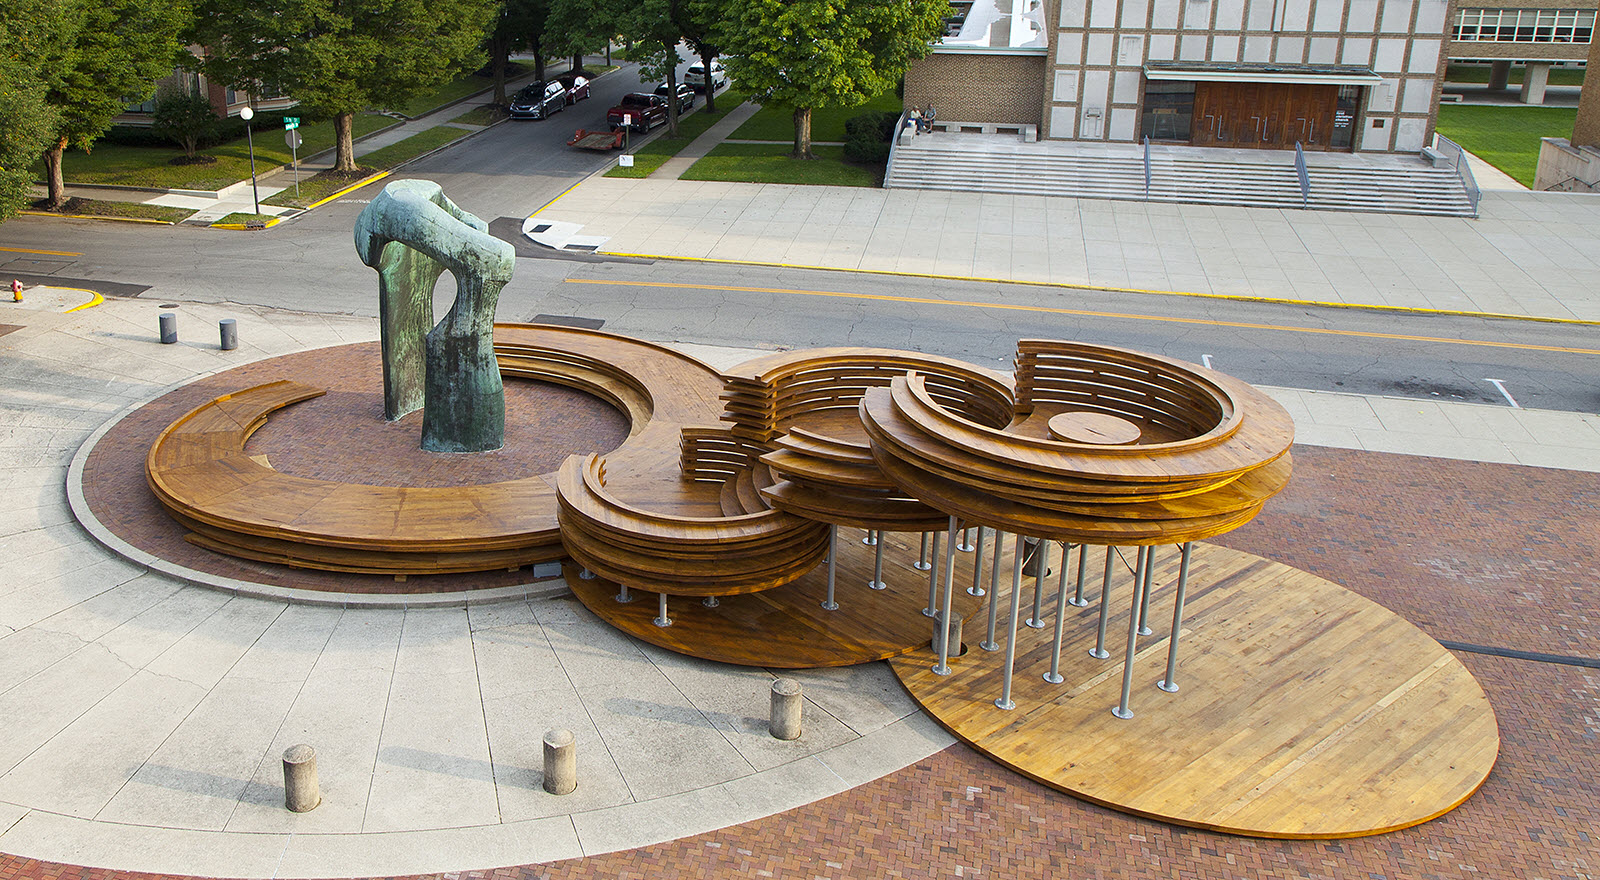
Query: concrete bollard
x: 301, y: 792
x: 229, y: 328
x: 955, y: 634
x: 560, y: 762
x: 169, y: 328
x: 786, y: 704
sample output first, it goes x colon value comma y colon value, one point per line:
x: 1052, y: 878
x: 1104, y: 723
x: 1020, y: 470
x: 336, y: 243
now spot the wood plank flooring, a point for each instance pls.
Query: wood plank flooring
x: 1304, y: 710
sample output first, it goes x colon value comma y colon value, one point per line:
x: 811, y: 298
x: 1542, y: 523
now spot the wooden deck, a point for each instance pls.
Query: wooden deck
x: 786, y: 627
x: 1304, y: 710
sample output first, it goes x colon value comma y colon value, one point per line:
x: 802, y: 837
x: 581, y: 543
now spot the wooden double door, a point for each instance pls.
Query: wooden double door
x: 1268, y: 116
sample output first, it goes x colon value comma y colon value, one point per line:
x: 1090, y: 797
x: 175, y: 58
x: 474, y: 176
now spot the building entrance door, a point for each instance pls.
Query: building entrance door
x: 1267, y: 116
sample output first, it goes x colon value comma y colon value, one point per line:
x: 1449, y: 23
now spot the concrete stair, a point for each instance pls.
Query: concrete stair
x: 1272, y: 183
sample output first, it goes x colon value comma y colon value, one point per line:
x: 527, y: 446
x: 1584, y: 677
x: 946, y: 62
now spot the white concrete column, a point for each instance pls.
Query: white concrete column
x: 1534, y: 79
x: 1499, y: 75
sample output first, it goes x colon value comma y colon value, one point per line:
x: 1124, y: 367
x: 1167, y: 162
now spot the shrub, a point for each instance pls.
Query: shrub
x: 867, y: 136
x: 186, y: 119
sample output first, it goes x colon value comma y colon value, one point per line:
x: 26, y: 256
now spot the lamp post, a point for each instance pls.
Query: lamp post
x: 248, y: 114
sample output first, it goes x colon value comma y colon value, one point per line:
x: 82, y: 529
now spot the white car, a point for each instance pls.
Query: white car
x: 695, y: 77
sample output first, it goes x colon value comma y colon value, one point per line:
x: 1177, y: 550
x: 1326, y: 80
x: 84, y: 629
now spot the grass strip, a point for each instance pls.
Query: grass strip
x: 481, y: 115
x: 827, y: 123
x: 127, y: 210
x: 457, y: 89
x: 315, y: 189
x: 242, y: 218
x: 1506, y: 137
x: 653, y: 155
x: 770, y: 163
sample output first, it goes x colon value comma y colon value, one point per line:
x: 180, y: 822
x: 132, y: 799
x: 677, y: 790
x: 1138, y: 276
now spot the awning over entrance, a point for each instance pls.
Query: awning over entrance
x: 1261, y: 73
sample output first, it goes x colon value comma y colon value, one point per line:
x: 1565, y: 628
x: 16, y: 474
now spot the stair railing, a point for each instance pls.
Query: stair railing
x: 894, y: 146
x: 1147, y: 168
x: 1463, y: 169
x: 1304, y: 174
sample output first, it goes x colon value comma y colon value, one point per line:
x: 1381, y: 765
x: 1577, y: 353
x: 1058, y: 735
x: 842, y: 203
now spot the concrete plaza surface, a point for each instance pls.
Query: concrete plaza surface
x: 1528, y: 254
x: 142, y: 718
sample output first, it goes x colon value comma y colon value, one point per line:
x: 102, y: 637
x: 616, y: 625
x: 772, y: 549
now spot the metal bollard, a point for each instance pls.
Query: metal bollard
x: 169, y: 328
x: 786, y: 701
x: 229, y: 328
x: 560, y: 762
x: 301, y: 792
x: 955, y: 633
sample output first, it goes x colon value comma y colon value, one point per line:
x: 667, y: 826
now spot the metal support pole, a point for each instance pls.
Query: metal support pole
x: 662, y: 619
x: 977, y: 567
x: 1054, y: 675
x: 1099, y: 652
x: 949, y: 602
x: 871, y: 540
x: 622, y: 595
x: 1144, y: 596
x: 922, y: 563
x: 933, y: 579
x: 988, y: 643
x: 1041, y: 568
x: 1077, y: 599
x: 966, y: 545
x: 833, y: 567
x: 1016, y: 611
x: 710, y: 601
x: 877, y: 562
x: 1122, y: 710
x: 1170, y: 683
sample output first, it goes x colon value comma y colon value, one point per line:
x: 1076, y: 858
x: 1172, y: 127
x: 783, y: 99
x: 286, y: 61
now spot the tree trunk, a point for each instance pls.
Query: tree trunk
x: 344, y: 145
x: 538, y: 64
x: 577, y: 62
x: 711, y: 84
x: 802, y: 134
x: 52, y: 164
x: 499, y: 48
x: 672, y: 87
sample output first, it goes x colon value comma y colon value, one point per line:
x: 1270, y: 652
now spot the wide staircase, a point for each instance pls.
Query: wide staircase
x: 1255, y: 179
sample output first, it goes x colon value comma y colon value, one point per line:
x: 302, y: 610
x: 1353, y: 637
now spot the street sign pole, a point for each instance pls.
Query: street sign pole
x: 291, y: 136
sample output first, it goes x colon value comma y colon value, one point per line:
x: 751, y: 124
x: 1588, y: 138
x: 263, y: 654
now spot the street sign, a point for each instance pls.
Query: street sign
x: 290, y: 123
x: 625, y: 161
x: 292, y: 138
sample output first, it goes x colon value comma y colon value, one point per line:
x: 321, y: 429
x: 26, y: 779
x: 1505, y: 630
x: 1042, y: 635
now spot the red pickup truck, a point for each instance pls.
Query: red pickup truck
x: 646, y: 112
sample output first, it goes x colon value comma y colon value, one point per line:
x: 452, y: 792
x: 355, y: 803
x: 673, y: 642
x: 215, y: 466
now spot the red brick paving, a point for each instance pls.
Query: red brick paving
x: 1489, y: 554
x: 341, y: 436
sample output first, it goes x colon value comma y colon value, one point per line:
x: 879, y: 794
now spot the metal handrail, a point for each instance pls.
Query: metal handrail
x: 1147, y: 167
x: 1462, y: 167
x: 1588, y: 186
x: 894, y: 144
x: 1304, y: 174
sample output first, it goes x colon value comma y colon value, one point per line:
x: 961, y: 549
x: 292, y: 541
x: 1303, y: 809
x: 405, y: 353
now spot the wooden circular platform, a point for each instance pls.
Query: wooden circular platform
x: 786, y: 627
x: 1304, y: 710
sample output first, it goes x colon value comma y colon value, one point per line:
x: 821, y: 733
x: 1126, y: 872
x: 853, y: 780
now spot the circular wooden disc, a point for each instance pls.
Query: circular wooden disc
x: 1303, y: 710
x: 1100, y: 429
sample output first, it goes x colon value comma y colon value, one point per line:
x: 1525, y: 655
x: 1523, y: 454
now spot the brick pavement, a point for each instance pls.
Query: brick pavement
x: 341, y: 436
x: 1491, y: 554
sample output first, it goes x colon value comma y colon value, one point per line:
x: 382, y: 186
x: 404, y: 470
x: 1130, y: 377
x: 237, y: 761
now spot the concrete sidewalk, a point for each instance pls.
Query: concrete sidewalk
x: 141, y: 719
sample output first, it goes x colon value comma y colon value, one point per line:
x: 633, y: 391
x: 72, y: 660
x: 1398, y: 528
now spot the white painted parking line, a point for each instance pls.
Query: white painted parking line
x: 1501, y: 387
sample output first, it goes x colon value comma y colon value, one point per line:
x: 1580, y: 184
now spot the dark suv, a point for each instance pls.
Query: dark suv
x: 539, y: 100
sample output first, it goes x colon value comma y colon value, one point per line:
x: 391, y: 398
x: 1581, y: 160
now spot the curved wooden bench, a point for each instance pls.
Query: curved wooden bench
x: 237, y: 504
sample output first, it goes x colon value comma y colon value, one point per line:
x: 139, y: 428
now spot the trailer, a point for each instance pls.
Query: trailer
x: 597, y: 140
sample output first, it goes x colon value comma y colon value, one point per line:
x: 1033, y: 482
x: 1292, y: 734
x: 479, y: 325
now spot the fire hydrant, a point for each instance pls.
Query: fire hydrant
x: 16, y: 290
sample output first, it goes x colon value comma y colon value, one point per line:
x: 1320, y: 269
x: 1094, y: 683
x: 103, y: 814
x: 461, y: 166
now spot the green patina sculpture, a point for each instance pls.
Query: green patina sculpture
x: 411, y: 233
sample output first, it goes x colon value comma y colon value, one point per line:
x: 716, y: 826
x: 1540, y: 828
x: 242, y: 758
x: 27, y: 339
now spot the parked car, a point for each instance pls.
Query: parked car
x: 696, y: 76
x: 539, y: 100
x: 577, y: 86
x: 685, y: 96
x: 644, y: 111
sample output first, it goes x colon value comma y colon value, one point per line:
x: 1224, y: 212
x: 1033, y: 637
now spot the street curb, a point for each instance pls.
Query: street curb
x: 98, y: 217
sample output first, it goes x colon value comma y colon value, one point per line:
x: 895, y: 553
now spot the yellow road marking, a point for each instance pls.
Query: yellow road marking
x: 32, y: 251
x: 1088, y: 314
x: 94, y: 300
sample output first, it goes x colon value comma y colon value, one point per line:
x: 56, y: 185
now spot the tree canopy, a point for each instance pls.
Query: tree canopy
x: 339, y: 57
x: 825, y: 53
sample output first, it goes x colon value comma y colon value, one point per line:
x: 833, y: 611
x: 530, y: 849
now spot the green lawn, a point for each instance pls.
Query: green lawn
x: 1506, y: 137
x: 326, y: 184
x: 481, y: 115
x: 134, y: 210
x: 456, y: 89
x: 827, y: 124
x: 770, y: 163
x: 121, y: 165
x: 1464, y: 73
x: 652, y: 155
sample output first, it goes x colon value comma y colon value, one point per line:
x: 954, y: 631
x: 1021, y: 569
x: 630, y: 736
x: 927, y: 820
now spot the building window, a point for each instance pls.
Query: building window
x: 1168, y: 111
x: 1524, y: 25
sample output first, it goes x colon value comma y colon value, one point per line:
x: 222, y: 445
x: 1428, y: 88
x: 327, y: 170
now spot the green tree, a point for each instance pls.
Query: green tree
x: 519, y: 27
x: 105, y: 55
x: 30, y: 124
x: 655, y: 25
x: 184, y: 118
x: 700, y: 22
x: 825, y: 53
x: 339, y: 57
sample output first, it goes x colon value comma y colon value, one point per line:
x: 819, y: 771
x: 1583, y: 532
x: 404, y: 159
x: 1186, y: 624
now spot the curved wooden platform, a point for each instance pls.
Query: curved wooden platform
x: 237, y: 504
x: 786, y: 627
x: 1304, y: 710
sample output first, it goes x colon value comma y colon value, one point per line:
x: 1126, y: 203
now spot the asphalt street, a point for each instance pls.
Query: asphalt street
x: 507, y: 172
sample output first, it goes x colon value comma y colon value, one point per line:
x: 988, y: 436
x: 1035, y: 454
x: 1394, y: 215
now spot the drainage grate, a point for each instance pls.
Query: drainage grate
x: 542, y: 227
x: 586, y: 248
x: 569, y: 321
